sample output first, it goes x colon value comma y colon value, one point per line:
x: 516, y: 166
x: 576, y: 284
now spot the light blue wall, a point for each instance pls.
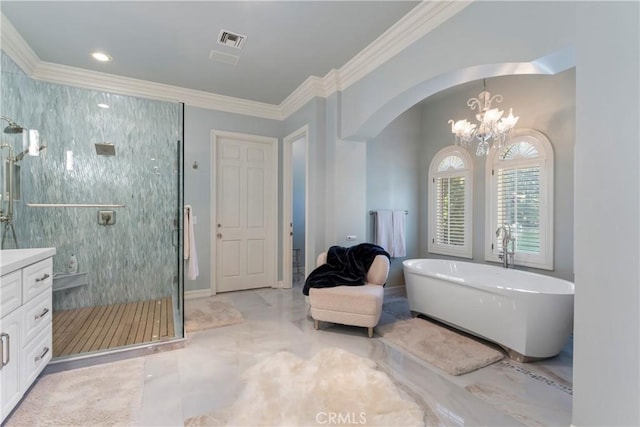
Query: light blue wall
x: 199, y: 123
x: 134, y: 259
x: 393, y: 180
x: 607, y: 209
x: 543, y: 103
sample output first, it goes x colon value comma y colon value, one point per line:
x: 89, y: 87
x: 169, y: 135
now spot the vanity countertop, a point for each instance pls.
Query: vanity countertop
x: 15, y: 259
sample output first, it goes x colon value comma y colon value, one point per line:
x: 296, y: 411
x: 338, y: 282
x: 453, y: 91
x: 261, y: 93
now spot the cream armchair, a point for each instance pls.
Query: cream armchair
x: 351, y: 305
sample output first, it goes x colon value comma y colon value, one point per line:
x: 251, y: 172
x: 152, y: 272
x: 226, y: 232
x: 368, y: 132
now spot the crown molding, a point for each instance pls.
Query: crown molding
x: 422, y: 19
x: 16, y: 47
x: 418, y: 22
x: 94, y: 80
x: 309, y: 89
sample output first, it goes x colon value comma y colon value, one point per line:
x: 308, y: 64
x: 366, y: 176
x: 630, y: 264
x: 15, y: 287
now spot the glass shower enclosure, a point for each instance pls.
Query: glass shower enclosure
x: 100, y: 178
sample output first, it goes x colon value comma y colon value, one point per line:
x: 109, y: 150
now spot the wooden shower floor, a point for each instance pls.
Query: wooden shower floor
x: 109, y: 326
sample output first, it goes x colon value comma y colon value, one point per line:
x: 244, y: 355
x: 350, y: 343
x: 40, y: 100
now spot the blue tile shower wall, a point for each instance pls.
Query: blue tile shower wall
x: 135, y: 259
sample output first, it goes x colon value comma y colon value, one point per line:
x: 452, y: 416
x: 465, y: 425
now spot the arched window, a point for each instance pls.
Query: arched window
x: 520, y: 196
x: 450, y: 207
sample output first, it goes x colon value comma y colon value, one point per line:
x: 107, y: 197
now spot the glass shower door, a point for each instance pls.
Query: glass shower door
x: 106, y: 192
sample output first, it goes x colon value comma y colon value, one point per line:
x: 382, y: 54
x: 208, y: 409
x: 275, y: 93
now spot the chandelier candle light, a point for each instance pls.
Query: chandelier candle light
x: 493, y: 127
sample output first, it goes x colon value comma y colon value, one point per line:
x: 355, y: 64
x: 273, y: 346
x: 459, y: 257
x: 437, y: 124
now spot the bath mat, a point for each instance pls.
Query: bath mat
x: 334, y: 387
x: 103, y: 395
x: 208, y: 313
x: 450, y: 351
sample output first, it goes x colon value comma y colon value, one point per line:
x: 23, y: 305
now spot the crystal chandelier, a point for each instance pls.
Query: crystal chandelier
x: 492, y: 127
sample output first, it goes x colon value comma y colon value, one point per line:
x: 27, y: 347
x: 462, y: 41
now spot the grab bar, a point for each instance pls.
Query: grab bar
x: 72, y: 205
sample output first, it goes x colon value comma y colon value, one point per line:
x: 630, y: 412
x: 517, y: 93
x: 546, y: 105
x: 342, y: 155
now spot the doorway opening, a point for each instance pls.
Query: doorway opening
x: 295, y: 218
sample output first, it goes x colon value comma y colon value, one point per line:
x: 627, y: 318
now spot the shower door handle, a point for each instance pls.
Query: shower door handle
x: 175, y: 237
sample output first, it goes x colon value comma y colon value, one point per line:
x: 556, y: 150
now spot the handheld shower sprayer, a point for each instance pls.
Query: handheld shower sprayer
x: 21, y: 155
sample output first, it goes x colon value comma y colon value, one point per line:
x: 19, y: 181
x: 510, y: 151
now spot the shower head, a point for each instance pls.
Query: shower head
x: 13, y: 126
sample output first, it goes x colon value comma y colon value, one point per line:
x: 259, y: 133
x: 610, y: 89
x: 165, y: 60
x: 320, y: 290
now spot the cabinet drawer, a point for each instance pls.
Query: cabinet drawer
x: 37, y: 315
x: 11, y: 292
x: 37, y: 354
x: 36, y: 278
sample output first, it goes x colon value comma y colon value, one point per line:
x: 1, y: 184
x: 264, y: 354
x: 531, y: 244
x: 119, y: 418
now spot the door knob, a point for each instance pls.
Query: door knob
x: 219, y: 235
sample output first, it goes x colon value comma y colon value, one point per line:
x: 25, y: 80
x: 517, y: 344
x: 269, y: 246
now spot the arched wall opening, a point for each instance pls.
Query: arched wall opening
x: 552, y: 63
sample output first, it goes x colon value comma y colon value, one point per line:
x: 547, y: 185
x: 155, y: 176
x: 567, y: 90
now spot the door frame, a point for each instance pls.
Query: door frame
x: 273, y: 187
x: 287, y: 203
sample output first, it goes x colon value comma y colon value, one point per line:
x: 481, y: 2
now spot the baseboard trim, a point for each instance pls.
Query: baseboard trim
x: 198, y: 293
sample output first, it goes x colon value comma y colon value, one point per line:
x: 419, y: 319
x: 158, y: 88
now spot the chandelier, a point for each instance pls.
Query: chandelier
x: 493, y: 128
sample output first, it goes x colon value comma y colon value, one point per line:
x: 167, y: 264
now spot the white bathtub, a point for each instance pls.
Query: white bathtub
x: 530, y: 315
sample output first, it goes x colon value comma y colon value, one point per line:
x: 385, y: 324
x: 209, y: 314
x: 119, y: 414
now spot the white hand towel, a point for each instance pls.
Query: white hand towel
x: 190, y: 253
x: 384, y: 230
x: 399, y: 246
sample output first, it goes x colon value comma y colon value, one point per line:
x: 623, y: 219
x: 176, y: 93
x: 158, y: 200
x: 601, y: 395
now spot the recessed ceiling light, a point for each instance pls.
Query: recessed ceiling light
x: 101, y: 105
x: 102, y: 57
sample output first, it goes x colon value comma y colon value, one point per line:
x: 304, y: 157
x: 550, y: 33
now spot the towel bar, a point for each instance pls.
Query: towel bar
x: 406, y: 212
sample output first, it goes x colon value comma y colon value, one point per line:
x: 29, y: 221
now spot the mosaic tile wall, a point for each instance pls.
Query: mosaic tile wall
x: 135, y: 259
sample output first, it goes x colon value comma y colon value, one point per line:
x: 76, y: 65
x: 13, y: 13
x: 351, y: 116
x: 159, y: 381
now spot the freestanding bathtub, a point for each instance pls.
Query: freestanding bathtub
x: 528, y: 314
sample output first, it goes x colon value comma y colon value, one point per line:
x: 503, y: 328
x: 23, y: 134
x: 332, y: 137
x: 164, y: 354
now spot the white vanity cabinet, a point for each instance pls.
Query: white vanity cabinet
x: 26, y: 278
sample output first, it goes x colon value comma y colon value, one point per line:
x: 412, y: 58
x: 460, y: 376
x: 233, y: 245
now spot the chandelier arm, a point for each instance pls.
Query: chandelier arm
x: 473, y: 103
x: 497, y: 98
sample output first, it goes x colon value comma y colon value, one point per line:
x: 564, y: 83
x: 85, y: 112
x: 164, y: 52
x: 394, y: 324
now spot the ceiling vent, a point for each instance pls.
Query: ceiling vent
x: 227, y: 58
x: 227, y: 38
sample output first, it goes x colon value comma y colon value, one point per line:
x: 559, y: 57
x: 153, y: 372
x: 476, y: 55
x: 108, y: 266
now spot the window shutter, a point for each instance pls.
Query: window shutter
x: 450, y: 211
x: 518, y: 192
x: 450, y: 203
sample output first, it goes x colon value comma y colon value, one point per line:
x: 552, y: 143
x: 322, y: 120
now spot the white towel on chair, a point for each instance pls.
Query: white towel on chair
x: 398, y: 247
x: 384, y: 230
x: 190, y: 253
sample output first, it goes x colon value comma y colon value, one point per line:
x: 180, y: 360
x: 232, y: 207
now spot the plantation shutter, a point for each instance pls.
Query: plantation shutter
x: 450, y: 211
x: 518, y: 192
x: 450, y: 203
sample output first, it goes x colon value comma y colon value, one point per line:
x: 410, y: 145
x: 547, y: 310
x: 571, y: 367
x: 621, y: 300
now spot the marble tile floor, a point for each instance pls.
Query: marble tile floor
x: 206, y: 374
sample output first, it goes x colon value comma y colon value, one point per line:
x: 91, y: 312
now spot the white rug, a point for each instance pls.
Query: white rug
x: 103, y: 395
x: 450, y: 351
x: 208, y: 313
x: 334, y: 387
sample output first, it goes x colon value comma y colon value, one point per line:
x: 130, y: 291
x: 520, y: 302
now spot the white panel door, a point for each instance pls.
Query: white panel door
x: 245, y: 221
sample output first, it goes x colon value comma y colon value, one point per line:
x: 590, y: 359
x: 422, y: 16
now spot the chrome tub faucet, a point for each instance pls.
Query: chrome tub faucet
x: 506, y: 256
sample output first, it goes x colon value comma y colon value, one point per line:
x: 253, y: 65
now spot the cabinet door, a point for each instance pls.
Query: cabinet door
x: 11, y: 291
x: 11, y: 389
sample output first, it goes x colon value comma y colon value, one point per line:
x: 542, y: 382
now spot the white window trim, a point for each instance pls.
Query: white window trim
x: 465, y: 251
x: 492, y: 246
